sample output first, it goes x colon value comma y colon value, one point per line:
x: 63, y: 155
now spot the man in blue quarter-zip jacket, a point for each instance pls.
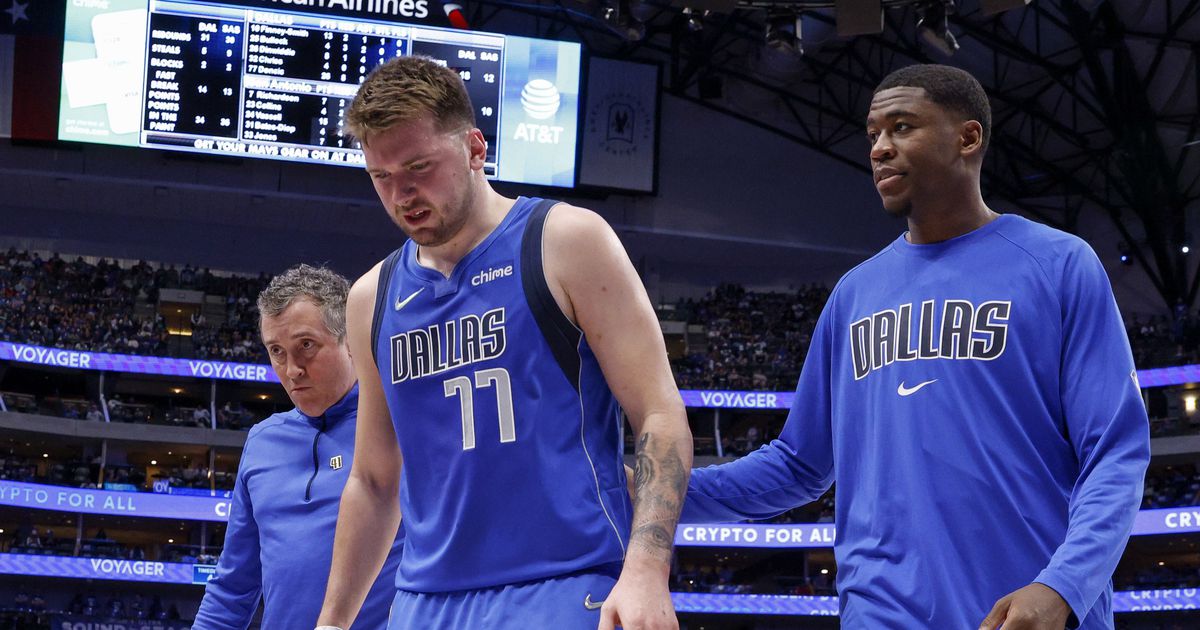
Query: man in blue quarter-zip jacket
x: 970, y: 389
x: 279, y: 542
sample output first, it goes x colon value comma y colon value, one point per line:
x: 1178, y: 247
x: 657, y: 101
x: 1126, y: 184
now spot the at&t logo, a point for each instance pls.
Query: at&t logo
x: 541, y: 100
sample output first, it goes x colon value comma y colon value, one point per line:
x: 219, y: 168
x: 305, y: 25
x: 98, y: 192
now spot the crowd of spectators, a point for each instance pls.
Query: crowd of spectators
x: 235, y: 339
x: 76, y: 474
x: 1171, y: 486
x: 29, y: 540
x: 1160, y: 576
x: 190, y: 554
x: 123, y: 606
x: 73, y: 408
x: 758, y: 340
x: 198, y: 477
x: 722, y: 578
x: 125, y: 408
x: 706, y: 578
x: 819, y: 511
x: 231, y: 415
x: 30, y: 608
x: 1168, y: 486
x: 234, y: 415
x: 78, y: 305
x: 752, y: 340
x: 83, y: 474
x: 1159, y: 340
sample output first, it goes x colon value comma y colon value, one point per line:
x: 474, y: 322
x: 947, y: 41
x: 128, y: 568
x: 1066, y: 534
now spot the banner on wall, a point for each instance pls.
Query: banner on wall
x: 114, y: 503
x: 258, y: 373
x: 620, y: 129
x: 137, y: 364
x: 30, y: 55
x: 725, y: 603
x: 96, y: 568
x: 757, y: 535
x: 1181, y: 520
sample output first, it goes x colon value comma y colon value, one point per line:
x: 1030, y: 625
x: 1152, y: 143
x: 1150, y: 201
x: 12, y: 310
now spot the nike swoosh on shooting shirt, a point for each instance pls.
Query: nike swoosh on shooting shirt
x: 591, y: 605
x: 400, y: 303
x: 909, y: 391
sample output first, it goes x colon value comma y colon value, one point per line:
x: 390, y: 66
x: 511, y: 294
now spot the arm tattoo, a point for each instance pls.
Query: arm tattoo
x: 660, y: 483
x: 643, y: 473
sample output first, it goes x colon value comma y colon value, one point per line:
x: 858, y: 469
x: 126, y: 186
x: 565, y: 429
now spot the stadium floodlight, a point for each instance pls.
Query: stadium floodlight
x: 1126, y: 255
x: 783, y: 31
x: 618, y: 16
x: 933, y: 25
x: 858, y: 17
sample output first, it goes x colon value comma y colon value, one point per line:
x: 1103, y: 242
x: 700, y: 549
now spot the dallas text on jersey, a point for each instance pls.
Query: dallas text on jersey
x: 966, y: 332
x: 440, y: 347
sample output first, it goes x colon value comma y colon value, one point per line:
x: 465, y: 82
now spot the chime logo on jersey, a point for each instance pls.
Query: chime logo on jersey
x: 964, y: 331
x: 440, y: 347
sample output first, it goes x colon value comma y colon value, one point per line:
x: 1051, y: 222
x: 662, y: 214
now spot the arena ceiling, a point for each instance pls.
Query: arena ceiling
x: 1095, y: 101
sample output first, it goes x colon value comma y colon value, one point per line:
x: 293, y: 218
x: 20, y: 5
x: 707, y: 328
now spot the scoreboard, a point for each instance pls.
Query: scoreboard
x: 229, y: 79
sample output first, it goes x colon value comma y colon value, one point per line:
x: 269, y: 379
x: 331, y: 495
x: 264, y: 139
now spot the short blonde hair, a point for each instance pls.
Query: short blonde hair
x: 406, y: 89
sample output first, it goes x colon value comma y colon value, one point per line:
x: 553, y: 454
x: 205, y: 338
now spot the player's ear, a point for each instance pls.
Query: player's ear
x: 971, y: 138
x: 476, y: 148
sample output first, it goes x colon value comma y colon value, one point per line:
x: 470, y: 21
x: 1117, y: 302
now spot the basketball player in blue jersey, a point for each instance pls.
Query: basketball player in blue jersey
x: 971, y: 390
x: 493, y: 349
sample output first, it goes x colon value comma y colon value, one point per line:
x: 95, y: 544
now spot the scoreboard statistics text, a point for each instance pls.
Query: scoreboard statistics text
x: 236, y: 80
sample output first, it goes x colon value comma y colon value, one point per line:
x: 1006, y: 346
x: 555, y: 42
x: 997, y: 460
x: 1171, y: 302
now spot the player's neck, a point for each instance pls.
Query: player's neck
x: 947, y: 219
x: 486, y: 213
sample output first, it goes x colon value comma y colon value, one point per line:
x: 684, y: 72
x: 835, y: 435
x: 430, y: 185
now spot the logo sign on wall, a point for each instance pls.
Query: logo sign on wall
x: 620, y: 128
x: 540, y: 99
x: 756, y: 535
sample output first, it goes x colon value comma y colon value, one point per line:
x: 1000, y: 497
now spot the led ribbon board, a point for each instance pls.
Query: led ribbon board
x: 1181, y: 520
x: 809, y: 605
x: 135, y: 364
x: 256, y: 373
x: 722, y: 603
x: 755, y: 535
x: 83, y: 501
x: 105, y: 569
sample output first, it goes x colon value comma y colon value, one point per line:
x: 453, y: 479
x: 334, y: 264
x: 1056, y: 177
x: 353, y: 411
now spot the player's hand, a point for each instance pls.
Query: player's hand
x: 1035, y: 607
x: 639, y: 601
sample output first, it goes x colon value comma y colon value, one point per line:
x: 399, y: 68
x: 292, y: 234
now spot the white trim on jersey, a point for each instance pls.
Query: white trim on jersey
x: 583, y: 440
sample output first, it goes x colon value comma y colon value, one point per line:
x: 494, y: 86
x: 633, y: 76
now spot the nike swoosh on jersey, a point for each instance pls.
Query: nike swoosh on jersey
x: 400, y: 303
x: 591, y: 605
x: 909, y: 391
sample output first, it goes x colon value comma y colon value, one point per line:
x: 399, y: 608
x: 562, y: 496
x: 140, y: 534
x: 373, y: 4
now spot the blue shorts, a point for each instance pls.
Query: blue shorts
x: 567, y: 602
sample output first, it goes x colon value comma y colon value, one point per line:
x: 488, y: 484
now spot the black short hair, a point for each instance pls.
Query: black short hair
x: 950, y: 87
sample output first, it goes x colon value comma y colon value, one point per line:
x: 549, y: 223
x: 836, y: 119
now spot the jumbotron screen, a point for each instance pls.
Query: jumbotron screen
x: 272, y: 79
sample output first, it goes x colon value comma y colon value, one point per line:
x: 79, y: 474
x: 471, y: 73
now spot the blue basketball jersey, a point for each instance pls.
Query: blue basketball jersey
x: 510, y: 435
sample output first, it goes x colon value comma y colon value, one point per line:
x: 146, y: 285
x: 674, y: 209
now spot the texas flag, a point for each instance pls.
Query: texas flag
x: 31, y: 43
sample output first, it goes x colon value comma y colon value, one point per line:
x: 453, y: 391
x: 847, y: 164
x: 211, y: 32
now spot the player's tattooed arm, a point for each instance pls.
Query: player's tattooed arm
x: 660, y: 483
x: 597, y: 287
